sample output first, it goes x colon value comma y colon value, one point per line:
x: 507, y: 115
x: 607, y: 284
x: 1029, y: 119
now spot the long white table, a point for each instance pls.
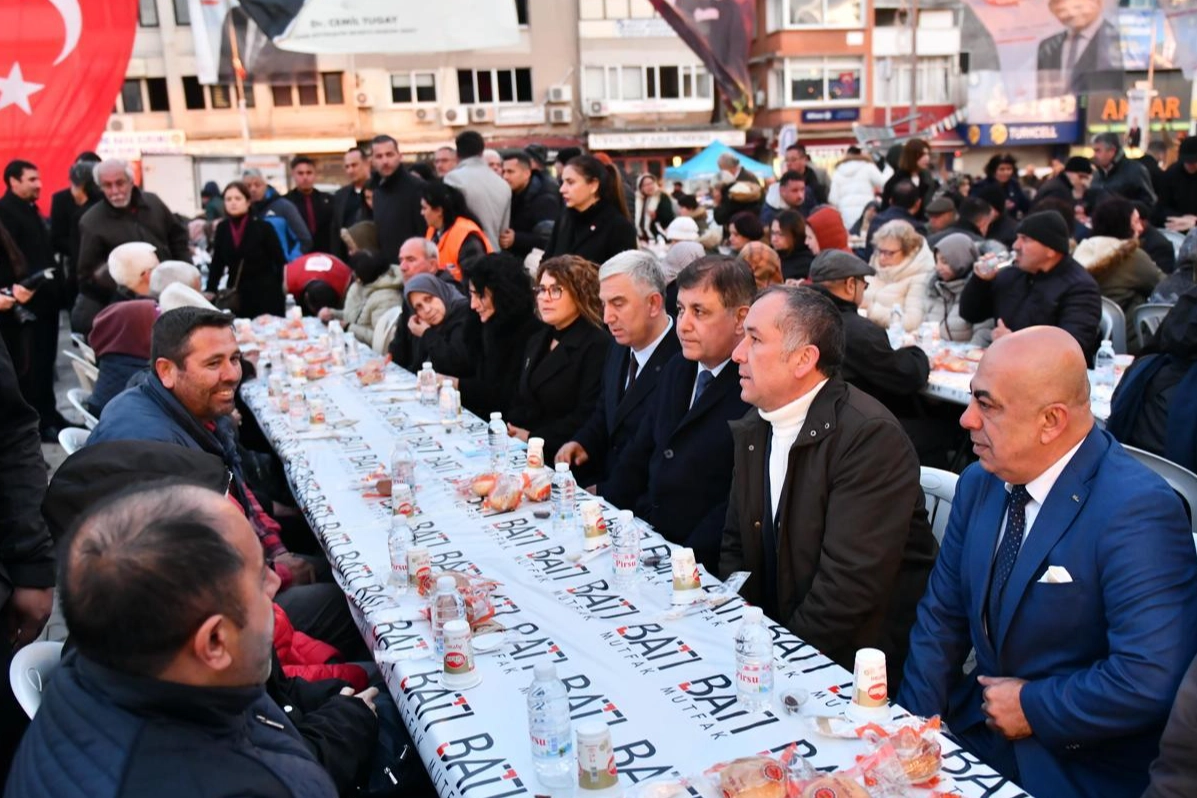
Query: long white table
x: 664, y: 686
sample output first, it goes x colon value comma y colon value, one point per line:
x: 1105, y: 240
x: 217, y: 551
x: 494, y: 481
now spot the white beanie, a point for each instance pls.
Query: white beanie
x: 181, y: 295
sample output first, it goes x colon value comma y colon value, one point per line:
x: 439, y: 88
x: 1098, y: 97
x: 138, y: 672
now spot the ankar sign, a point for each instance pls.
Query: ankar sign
x: 1115, y: 108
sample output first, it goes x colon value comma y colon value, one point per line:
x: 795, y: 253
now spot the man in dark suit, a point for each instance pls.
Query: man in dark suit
x: 677, y: 471
x: 1069, y: 568
x: 825, y: 508
x: 315, y: 207
x: 1085, y: 56
x: 348, y: 202
x: 632, y: 287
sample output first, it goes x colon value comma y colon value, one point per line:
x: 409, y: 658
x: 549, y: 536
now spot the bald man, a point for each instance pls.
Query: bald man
x: 1070, y: 569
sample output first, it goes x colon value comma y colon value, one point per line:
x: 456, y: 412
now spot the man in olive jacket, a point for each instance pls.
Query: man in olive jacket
x: 825, y: 508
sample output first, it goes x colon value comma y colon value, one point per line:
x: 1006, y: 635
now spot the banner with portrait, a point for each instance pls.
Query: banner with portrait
x: 720, y: 33
x: 251, y: 23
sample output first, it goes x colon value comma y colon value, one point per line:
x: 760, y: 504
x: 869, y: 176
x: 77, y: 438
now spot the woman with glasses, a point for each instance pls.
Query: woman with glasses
x: 905, y: 268
x: 563, y: 363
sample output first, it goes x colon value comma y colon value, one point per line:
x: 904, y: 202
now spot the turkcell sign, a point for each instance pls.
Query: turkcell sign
x: 999, y: 134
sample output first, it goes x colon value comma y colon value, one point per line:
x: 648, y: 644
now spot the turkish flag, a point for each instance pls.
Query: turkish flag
x: 62, y: 63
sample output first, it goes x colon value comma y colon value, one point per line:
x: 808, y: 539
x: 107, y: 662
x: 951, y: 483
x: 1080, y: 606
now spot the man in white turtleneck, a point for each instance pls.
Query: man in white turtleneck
x: 825, y: 508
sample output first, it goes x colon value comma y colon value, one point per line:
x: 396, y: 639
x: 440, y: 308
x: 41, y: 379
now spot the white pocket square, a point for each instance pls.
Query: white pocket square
x: 1055, y: 575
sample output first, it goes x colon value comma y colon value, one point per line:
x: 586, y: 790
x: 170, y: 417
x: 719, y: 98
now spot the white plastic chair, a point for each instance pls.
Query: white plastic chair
x: 1181, y: 479
x: 384, y: 330
x: 1113, y: 325
x: 1148, y: 318
x: 87, y: 373
x: 80, y: 342
x: 72, y: 439
x: 29, y: 673
x: 78, y: 399
x: 940, y: 488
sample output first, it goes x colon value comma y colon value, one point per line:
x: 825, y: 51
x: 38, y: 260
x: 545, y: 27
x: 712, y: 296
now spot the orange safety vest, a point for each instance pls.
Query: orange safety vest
x: 448, y: 248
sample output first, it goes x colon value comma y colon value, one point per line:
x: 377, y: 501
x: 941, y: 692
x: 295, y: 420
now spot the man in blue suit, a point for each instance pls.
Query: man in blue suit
x: 676, y: 473
x: 632, y: 287
x: 1070, y: 569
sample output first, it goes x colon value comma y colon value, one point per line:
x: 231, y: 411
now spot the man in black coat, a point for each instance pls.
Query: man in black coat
x: 348, y: 202
x: 632, y: 287
x: 1048, y: 287
x: 67, y: 206
x: 26, y: 549
x: 677, y: 471
x: 397, y: 194
x: 314, y: 206
x: 732, y: 173
x: 1177, y: 206
x: 1117, y: 174
x: 535, y: 206
x: 35, y: 366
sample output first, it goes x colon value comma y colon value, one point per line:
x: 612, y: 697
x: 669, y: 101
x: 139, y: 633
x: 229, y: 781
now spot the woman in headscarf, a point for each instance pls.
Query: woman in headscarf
x: 955, y: 256
x: 120, y: 336
x: 374, y: 290
x: 443, y: 326
x: 654, y: 209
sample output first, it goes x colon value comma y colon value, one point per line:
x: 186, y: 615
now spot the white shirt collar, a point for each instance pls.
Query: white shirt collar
x: 1042, y: 485
x: 715, y: 372
x: 644, y: 355
x: 792, y: 415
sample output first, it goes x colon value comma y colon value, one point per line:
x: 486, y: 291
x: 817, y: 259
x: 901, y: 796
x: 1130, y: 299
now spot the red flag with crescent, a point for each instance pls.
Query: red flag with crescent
x: 62, y: 63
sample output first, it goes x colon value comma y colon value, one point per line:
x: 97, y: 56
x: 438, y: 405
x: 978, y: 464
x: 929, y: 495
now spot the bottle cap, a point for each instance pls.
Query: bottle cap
x: 544, y: 671
x: 496, y: 416
x: 1105, y: 341
x: 561, y: 468
x: 427, y: 364
x: 753, y: 614
x: 624, y: 517
x: 446, y: 584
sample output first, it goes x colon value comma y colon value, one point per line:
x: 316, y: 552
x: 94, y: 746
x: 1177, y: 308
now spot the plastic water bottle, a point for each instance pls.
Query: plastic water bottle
x: 336, y: 335
x: 625, y: 551
x: 896, y: 331
x: 564, y: 494
x: 426, y: 384
x: 450, y: 404
x: 290, y: 305
x: 403, y: 466
x: 399, y: 540
x: 754, y: 663
x: 447, y: 605
x: 1104, y: 364
x: 549, y: 727
x: 496, y: 441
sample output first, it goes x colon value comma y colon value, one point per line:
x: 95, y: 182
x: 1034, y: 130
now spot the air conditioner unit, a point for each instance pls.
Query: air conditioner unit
x: 482, y: 113
x: 561, y: 94
x: 456, y: 116
x: 598, y: 108
x: 119, y: 123
x: 561, y: 116
x: 427, y: 115
x: 363, y: 99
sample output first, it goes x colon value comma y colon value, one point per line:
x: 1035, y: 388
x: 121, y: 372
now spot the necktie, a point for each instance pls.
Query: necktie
x: 705, y: 378
x: 633, y: 366
x: 310, y: 212
x: 1007, y: 553
x: 1070, y: 56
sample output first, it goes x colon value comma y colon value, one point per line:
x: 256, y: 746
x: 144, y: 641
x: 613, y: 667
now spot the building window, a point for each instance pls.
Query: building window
x: 282, y: 95
x: 158, y: 95
x: 934, y: 82
x: 494, y: 86
x: 804, y: 82
x: 334, y: 91
x: 249, y: 95
x: 131, y: 97
x: 193, y: 94
x: 182, y: 12
x: 408, y: 88
x: 814, y: 14
x: 309, y: 94
x: 147, y: 13
x: 648, y: 82
x: 521, y: 11
x: 221, y: 96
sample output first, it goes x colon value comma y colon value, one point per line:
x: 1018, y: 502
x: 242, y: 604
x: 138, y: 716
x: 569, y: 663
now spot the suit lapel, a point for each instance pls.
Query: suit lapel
x: 983, y: 544
x: 728, y: 379
x: 613, y: 379
x: 1055, y: 518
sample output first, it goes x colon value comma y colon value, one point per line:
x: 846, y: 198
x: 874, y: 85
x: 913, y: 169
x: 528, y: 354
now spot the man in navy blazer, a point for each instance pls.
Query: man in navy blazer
x: 632, y: 287
x: 1070, y: 569
x: 676, y: 473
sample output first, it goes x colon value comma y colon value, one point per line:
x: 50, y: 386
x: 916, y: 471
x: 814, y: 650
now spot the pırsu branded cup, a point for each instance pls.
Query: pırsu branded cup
x: 419, y: 565
x: 458, y: 671
x: 870, y: 686
x: 687, y: 584
x: 594, y: 526
x: 596, y: 757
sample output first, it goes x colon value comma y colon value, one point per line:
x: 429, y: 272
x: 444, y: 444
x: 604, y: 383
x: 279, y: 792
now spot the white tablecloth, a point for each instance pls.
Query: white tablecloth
x: 665, y: 687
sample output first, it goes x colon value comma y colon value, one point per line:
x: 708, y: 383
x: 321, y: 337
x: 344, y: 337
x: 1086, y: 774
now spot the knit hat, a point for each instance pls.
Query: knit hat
x: 1078, y: 165
x: 959, y: 252
x: 682, y: 228
x: 836, y: 265
x: 828, y: 227
x: 1188, y: 150
x: 679, y: 256
x: 1048, y: 228
x: 764, y: 262
x: 123, y: 328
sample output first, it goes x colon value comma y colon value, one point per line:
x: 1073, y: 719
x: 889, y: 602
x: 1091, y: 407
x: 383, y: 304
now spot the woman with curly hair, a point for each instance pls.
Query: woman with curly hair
x: 501, y: 296
x: 1002, y: 171
x: 563, y: 363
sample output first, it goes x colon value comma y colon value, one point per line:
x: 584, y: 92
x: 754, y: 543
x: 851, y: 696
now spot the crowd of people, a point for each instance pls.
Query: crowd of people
x: 725, y: 366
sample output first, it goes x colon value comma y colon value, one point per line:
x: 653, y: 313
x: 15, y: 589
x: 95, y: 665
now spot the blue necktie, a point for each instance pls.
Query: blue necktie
x: 705, y: 378
x: 1007, y: 553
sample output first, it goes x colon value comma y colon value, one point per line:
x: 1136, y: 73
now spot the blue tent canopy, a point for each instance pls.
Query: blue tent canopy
x: 705, y: 166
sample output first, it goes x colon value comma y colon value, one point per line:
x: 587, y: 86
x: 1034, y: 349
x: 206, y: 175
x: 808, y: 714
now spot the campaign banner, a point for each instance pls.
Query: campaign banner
x: 720, y: 34
x: 1182, y: 17
x: 258, y: 58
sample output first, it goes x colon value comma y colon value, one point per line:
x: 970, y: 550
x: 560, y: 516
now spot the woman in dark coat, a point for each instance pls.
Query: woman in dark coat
x: 243, y: 244
x: 501, y: 296
x: 913, y: 167
x: 594, y: 223
x: 787, y: 234
x: 1002, y: 171
x: 443, y: 326
x: 563, y: 363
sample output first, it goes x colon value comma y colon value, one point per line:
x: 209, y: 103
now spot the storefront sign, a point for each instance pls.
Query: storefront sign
x: 519, y: 115
x: 664, y: 139
x: 130, y: 146
x: 1168, y: 109
x: 831, y: 115
x: 1002, y: 135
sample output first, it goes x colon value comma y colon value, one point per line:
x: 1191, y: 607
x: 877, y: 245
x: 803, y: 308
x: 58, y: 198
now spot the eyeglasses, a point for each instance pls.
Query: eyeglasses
x: 889, y: 253
x: 554, y: 291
